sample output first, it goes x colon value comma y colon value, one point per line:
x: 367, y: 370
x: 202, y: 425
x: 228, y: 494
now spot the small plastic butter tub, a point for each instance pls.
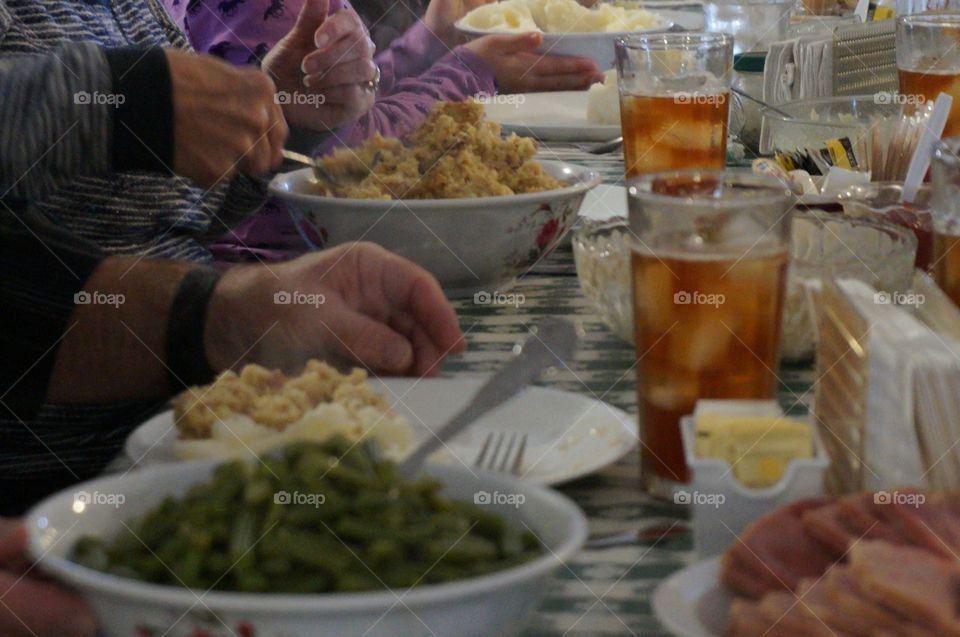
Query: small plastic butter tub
x: 722, y: 507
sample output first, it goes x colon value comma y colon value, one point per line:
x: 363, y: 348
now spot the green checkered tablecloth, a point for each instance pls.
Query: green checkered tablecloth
x: 601, y: 592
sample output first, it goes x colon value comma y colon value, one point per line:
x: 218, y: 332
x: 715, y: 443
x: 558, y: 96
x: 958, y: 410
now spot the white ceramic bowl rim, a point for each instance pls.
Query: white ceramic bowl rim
x: 84, y: 578
x: 586, y: 178
x: 572, y: 35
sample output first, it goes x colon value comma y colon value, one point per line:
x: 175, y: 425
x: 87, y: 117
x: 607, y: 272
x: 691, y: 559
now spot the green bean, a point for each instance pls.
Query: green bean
x: 310, y: 518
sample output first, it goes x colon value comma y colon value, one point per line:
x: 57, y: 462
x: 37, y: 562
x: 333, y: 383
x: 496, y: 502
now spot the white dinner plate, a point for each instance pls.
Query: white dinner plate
x: 570, y: 435
x: 559, y: 116
x: 692, y: 602
x: 603, y: 202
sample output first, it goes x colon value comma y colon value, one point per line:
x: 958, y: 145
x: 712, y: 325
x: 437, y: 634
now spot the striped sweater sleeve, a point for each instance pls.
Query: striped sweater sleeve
x: 51, y: 130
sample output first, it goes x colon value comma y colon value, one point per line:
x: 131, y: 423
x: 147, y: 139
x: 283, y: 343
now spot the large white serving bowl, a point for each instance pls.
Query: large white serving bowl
x: 599, y: 46
x: 494, y: 604
x: 471, y: 245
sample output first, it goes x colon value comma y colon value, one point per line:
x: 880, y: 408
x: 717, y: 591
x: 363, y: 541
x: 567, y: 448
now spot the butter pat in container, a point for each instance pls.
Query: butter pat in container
x: 758, y: 448
x: 746, y: 459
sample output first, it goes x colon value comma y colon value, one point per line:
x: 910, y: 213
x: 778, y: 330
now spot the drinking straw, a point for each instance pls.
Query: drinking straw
x: 922, y: 155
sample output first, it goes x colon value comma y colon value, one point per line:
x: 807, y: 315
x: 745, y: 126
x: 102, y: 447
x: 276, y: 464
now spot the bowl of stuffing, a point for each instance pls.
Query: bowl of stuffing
x: 314, y: 540
x: 474, y: 209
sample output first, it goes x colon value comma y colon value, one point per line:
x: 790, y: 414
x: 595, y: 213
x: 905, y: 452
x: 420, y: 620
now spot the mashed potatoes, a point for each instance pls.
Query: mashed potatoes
x: 261, y: 409
x: 454, y: 154
x: 557, y: 16
x: 603, y: 101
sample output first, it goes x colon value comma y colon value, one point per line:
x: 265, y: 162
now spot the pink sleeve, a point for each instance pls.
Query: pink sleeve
x: 458, y: 75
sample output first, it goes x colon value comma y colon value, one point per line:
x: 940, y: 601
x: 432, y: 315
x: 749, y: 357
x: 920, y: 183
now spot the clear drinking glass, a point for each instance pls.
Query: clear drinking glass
x: 928, y: 61
x: 945, y: 206
x: 674, y: 100
x: 709, y: 260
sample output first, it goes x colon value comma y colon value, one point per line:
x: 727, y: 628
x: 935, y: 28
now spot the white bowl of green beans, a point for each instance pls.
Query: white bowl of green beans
x: 256, y: 534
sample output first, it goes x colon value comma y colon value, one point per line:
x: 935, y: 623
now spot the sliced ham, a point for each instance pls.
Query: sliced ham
x: 747, y: 620
x: 856, y: 513
x: 776, y: 552
x: 915, y: 582
x: 825, y: 525
x: 922, y: 525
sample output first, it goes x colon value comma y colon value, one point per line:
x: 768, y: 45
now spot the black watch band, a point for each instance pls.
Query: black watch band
x: 187, y: 362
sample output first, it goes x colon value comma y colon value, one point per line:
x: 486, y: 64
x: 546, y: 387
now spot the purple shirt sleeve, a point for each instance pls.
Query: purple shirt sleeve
x: 239, y: 31
x: 458, y: 75
x: 409, y: 55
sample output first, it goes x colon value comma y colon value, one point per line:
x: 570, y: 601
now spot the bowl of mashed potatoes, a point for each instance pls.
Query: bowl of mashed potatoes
x: 568, y: 27
x: 474, y: 209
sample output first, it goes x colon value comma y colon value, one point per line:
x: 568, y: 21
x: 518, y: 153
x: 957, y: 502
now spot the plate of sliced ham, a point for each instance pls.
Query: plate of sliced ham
x: 881, y: 564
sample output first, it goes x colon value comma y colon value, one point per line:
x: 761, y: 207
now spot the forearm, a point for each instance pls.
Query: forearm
x: 114, y: 347
x: 80, y: 111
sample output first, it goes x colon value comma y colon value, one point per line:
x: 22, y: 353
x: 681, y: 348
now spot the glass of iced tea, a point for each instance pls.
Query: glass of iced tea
x: 945, y: 206
x: 928, y: 61
x: 709, y: 258
x: 674, y: 100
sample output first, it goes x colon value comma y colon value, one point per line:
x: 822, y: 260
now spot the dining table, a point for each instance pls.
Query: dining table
x: 601, y: 592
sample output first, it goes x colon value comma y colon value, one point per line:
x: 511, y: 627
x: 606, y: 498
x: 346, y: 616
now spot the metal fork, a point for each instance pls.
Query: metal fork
x: 495, y: 456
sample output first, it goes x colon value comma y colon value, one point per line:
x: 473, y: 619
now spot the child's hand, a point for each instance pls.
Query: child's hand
x: 518, y: 69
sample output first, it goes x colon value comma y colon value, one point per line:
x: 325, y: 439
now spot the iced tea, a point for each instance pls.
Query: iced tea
x: 709, y: 260
x: 671, y: 132
x: 674, y: 100
x: 706, y: 327
x: 929, y: 84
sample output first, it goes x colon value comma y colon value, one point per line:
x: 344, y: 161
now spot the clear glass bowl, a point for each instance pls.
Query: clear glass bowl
x: 815, y: 121
x: 602, y: 255
x: 873, y: 250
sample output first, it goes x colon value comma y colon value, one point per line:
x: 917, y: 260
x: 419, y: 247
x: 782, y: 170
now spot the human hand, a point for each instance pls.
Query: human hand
x: 356, y: 303
x: 32, y: 606
x: 442, y: 15
x: 322, y: 68
x: 225, y: 119
x: 519, y: 69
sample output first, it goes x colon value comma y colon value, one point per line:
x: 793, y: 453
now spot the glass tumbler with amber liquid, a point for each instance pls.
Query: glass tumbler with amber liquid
x: 928, y: 61
x: 674, y: 100
x: 945, y: 208
x: 709, y: 254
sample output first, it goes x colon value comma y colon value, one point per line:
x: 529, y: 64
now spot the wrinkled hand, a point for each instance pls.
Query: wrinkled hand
x: 34, y: 607
x: 356, y: 303
x: 226, y: 119
x: 442, y: 15
x: 518, y: 69
x: 322, y: 67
